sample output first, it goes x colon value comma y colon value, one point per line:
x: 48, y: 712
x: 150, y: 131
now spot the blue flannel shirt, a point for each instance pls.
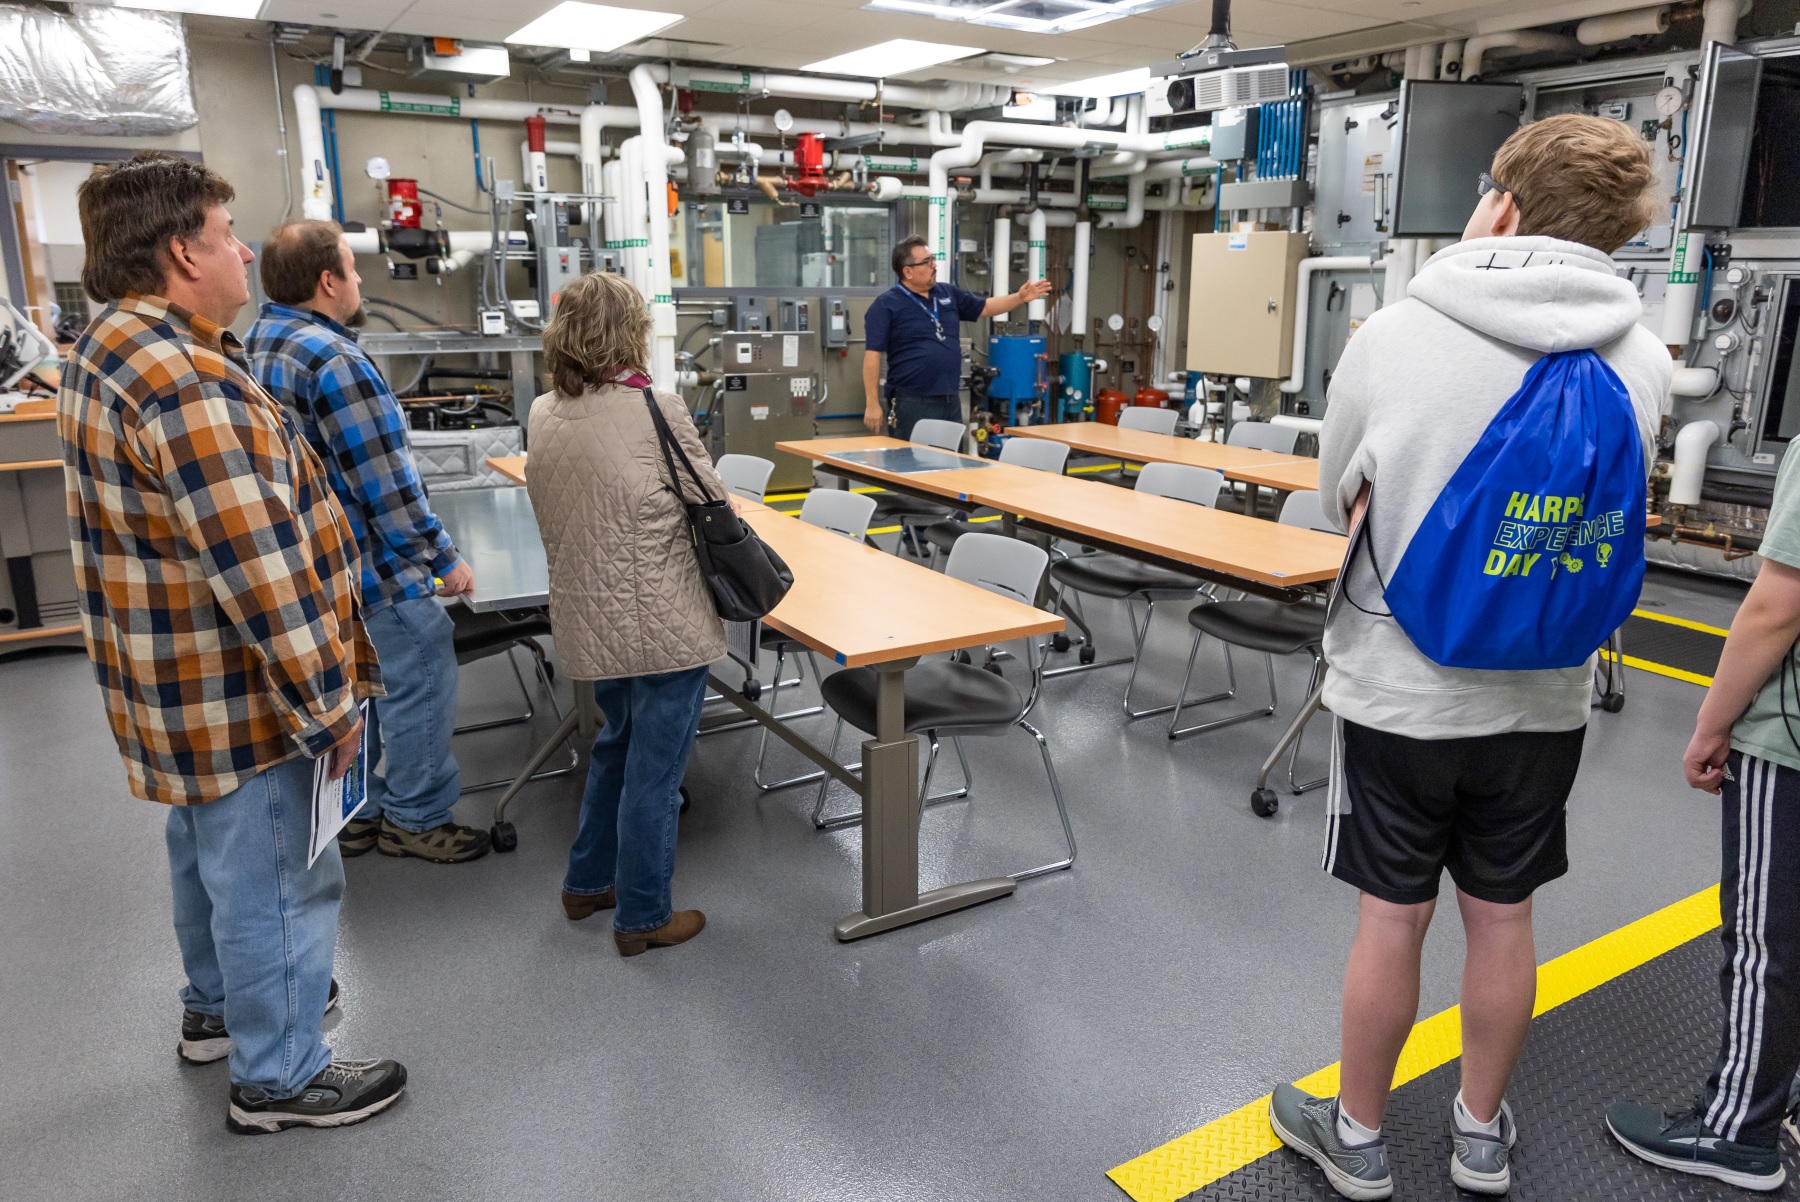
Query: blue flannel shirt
x: 313, y: 366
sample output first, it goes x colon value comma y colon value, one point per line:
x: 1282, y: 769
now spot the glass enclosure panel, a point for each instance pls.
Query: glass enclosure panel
x: 773, y: 246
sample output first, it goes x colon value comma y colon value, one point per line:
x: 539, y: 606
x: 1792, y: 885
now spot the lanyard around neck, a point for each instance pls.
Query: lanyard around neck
x: 937, y: 323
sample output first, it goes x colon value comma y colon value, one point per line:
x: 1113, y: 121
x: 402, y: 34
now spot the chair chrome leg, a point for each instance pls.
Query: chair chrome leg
x: 837, y: 731
x: 1312, y: 685
x: 854, y: 817
x: 574, y: 758
x: 516, y: 719
x: 1076, y: 614
x: 1182, y: 700
x: 1182, y: 732
x: 762, y: 745
x: 1062, y: 810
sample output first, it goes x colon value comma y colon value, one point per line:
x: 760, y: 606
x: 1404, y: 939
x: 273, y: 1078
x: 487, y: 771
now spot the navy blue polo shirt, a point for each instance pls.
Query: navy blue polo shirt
x: 899, y: 325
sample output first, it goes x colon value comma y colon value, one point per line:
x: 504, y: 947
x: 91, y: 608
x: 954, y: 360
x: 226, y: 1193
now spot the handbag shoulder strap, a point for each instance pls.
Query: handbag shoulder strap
x: 665, y: 438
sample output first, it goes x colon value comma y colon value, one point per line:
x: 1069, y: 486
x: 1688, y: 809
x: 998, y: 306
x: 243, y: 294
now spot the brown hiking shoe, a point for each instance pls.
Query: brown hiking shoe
x: 579, y: 905
x: 358, y: 836
x: 446, y: 844
x: 682, y: 926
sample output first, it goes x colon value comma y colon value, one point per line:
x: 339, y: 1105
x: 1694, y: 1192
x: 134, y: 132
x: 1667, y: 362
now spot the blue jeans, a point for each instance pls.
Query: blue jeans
x: 908, y: 409
x: 419, y: 781
x: 257, y: 927
x: 629, y: 808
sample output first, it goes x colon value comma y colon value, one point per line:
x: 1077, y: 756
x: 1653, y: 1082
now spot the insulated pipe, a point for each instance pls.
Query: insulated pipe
x: 1000, y: 274
x: 1164, y: 259
x: 1450, y: 65
x: 1133, y: 216
x: 1523, y: 41
x: 1078, y: 290
x: 1181, y: 169
x: 656, y: 155
x: 810, y: 87
x: 1034, y: 260
x: 1302, y: 304
x: 1111, y: 113
x: 1694, y: 382
x: 368, y: 242
x: 572, y: 149
x: 1719, y: 21
x: 1691, y: 445
x: 1683, y: 294
x: 1616, y: 27
x: 315, y: 205
x: 723, y: 125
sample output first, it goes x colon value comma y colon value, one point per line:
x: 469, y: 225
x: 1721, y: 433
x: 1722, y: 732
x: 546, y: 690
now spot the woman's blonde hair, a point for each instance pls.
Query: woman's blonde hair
x: 601, y: 332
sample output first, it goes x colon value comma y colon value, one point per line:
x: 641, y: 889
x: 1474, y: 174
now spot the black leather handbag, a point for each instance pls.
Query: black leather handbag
x: 745, y: 576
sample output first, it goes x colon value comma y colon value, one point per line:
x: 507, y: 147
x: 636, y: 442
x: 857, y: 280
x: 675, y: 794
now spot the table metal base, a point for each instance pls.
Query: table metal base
x: 929, y: 905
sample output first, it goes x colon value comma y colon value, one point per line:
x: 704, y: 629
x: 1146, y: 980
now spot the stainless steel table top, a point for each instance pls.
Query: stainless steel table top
x: 497, y: 533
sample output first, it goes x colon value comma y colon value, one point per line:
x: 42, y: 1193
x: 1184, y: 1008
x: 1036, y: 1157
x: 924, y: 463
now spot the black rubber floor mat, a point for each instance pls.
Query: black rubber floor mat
x: 1673, y: 646
x: 1649, y: 1035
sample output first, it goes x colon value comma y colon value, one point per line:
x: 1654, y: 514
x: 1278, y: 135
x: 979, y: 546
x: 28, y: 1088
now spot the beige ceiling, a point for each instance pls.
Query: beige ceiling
x: 787, y: 34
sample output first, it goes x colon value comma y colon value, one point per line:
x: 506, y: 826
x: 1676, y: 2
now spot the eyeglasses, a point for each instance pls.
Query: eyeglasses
x: 931, y: 262
x: 1485, y: 183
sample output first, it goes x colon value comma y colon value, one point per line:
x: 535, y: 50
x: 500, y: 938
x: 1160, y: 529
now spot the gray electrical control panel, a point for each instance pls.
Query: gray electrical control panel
x: 834, y: 328
x: 748, y: 313
x: 771, y: 394
x: 1354, y: 200
x: 795, y: 315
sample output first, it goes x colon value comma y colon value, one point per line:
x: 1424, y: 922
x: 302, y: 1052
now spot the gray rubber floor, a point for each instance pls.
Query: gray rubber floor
x: 1188, y: 961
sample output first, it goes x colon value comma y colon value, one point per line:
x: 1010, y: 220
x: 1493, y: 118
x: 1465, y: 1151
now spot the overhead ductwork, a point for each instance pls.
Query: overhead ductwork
x: 114, y: 71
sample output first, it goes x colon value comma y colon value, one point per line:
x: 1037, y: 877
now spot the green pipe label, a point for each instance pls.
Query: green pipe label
x: 1682, y: 269
x: 711, y: 85
x: 453, y: 109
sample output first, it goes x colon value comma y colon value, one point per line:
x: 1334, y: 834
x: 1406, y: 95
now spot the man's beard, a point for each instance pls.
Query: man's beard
x: 357, y: 319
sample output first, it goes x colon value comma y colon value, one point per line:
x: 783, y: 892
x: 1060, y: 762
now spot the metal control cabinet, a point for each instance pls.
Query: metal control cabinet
x: 771, y: 394
x: 1241, y: 303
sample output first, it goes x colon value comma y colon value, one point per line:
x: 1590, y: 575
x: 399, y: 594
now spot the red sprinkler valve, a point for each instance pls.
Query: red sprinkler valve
x: 809, y: 159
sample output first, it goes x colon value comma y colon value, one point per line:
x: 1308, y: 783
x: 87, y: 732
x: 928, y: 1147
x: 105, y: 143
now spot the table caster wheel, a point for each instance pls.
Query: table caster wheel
x: 686, y: 801
x: 1087, y: 653
x: 1060, y: 641
x: 752, y: 689
x: 1612, y: 703
x: 504, y: 836
x: 1264, y: 803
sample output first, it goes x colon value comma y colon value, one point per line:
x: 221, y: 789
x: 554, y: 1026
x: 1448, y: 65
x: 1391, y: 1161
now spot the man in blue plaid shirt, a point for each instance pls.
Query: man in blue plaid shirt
x: 304, y: 351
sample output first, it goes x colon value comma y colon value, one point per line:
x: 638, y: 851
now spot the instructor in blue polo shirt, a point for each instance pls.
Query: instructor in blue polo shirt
x: 914, y: 324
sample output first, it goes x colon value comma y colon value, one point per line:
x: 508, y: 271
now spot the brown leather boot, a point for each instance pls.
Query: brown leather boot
x: 579, y: 905
x: 682, y: 926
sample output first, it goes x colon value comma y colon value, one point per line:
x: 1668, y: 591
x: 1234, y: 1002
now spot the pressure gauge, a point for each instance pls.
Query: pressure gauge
x: 378, y: 168
x: 1155, y: 322
x: 784, y: 120
x: 1669, y: 101
x: 1725, y: 343
x: 1736, y: 275
x: 1115, y: 323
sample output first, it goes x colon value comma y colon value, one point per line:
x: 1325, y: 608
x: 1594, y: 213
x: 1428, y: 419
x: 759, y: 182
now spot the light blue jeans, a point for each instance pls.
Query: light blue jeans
x: 629, y: 809
x: 257, y: 927
x: 419, y: 781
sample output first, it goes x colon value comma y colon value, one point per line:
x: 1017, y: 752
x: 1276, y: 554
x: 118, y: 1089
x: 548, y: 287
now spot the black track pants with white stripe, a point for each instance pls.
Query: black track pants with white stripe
x: 1759, y: 903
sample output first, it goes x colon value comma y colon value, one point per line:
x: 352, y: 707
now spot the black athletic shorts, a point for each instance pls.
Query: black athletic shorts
x: 1489, y: 809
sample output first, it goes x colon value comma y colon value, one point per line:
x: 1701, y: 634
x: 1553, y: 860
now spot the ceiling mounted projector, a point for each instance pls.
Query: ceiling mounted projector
x: 1216, y: 74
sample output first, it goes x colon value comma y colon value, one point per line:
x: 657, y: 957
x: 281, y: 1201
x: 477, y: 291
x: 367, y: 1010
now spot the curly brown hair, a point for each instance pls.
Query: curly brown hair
x: 129, y: 213
x: 1582, y: 179
x: 600, y: 332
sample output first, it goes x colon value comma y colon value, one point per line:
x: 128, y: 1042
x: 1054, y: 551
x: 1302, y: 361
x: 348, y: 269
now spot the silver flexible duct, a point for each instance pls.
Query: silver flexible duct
x: 94, y: 71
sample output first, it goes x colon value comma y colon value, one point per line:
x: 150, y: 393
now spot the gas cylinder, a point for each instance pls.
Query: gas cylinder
x: 1151, y: 398
x: 403, y: 204
x: 1108, y: 403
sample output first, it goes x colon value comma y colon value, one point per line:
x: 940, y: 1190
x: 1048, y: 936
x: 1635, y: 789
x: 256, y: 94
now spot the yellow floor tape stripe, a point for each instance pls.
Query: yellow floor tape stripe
x: 1227, y: 1144
x: 1644, y: 665
x: 1687, y: 622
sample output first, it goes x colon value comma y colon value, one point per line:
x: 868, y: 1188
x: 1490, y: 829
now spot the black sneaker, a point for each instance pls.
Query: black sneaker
x: 358, y: 837
x: 345, y: 1092
x: 1681, y: 1140
x: 1790, y: 1122
x: 204, y: 1038
x: 449, y: 843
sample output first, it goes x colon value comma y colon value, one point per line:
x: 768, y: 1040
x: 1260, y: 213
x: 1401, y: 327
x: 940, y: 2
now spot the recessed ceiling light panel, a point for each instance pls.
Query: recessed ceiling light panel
x: 242, y: 9
x: 573, y: 25
x: 1102, y: 87
x: 1030, y: 16
x: 892, y: 58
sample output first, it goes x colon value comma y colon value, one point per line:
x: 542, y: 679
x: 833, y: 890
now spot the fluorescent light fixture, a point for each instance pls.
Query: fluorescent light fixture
x: 573, y: 25
x: 242, y: 9
x: 1030, y: 16
x: 892, y: 58
x: 1037, y: 108
x: 1102, y: 87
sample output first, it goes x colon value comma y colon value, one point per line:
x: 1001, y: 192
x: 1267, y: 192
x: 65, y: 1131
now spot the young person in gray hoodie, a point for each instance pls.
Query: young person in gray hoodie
x: 1441, y: 768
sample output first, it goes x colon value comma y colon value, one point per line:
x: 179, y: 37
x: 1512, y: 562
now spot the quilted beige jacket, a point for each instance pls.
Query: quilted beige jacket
x: 626, y: 597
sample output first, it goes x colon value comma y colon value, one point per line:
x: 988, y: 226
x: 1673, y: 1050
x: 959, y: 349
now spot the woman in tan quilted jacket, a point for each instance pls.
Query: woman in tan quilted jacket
x: 630, y: 609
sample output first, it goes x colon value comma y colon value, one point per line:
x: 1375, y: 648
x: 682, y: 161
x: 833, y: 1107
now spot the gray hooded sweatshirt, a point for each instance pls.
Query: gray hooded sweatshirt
x: 1415, y: 389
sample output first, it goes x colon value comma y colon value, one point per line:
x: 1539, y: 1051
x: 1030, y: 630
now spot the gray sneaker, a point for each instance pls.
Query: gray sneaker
x: 1308, y: 1125
x: 1482, y: 1163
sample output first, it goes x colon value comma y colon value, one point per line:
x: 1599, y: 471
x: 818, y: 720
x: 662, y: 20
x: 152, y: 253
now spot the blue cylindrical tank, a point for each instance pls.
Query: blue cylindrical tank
x: 1075, y: 395
x: 1019, y: 359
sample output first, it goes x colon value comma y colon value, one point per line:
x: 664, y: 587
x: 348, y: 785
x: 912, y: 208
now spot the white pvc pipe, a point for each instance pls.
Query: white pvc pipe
x: 1719, y: 21
x: 1683, y: 294
x: 1616, y: 27
x: 810, y: 87
x: 656, y: 154
x: 1034, y: 260
x: 1694, y: 382
x: 1303, y: 303
x: 315, y: 202
x: 1000, y: 277
x: 1526, y: 41
x: 1133, y: 216
x: 573, y: 149
x: 1078, y: 291
x: 368, y: 242
x: 1450, y: 65
x: 1691, y: 445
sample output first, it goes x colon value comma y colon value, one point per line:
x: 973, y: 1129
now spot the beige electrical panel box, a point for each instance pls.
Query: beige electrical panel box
x: 1241, y: 303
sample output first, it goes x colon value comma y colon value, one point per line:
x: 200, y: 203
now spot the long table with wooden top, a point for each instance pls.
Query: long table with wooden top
x: 861, y: 607
x: 1241, y: 551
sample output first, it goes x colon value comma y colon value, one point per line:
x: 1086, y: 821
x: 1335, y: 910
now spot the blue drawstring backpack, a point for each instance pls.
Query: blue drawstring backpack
x: 1533, y: 554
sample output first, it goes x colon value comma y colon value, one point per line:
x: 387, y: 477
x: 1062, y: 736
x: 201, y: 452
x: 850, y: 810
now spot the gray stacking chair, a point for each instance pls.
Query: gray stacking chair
x: 845, y: 513
x: 911, y: 512
x: 1128, y: 580
x: 947, y: 699
x: 1038, y: 453
x: 1262, y: 436
x: 1139, y: 417
x: 1265, y: 625
x: 745, y: 475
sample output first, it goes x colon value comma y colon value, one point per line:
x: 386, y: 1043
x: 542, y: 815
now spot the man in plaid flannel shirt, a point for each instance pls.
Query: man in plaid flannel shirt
x: 218, y: 590
x: 303, y: 349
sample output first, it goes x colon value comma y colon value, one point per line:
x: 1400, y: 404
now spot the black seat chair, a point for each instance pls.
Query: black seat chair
x: 949, y: 699
x: 477, y: 636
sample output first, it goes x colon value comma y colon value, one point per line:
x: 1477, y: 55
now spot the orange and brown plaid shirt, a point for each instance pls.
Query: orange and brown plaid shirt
x: 217, y: 575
